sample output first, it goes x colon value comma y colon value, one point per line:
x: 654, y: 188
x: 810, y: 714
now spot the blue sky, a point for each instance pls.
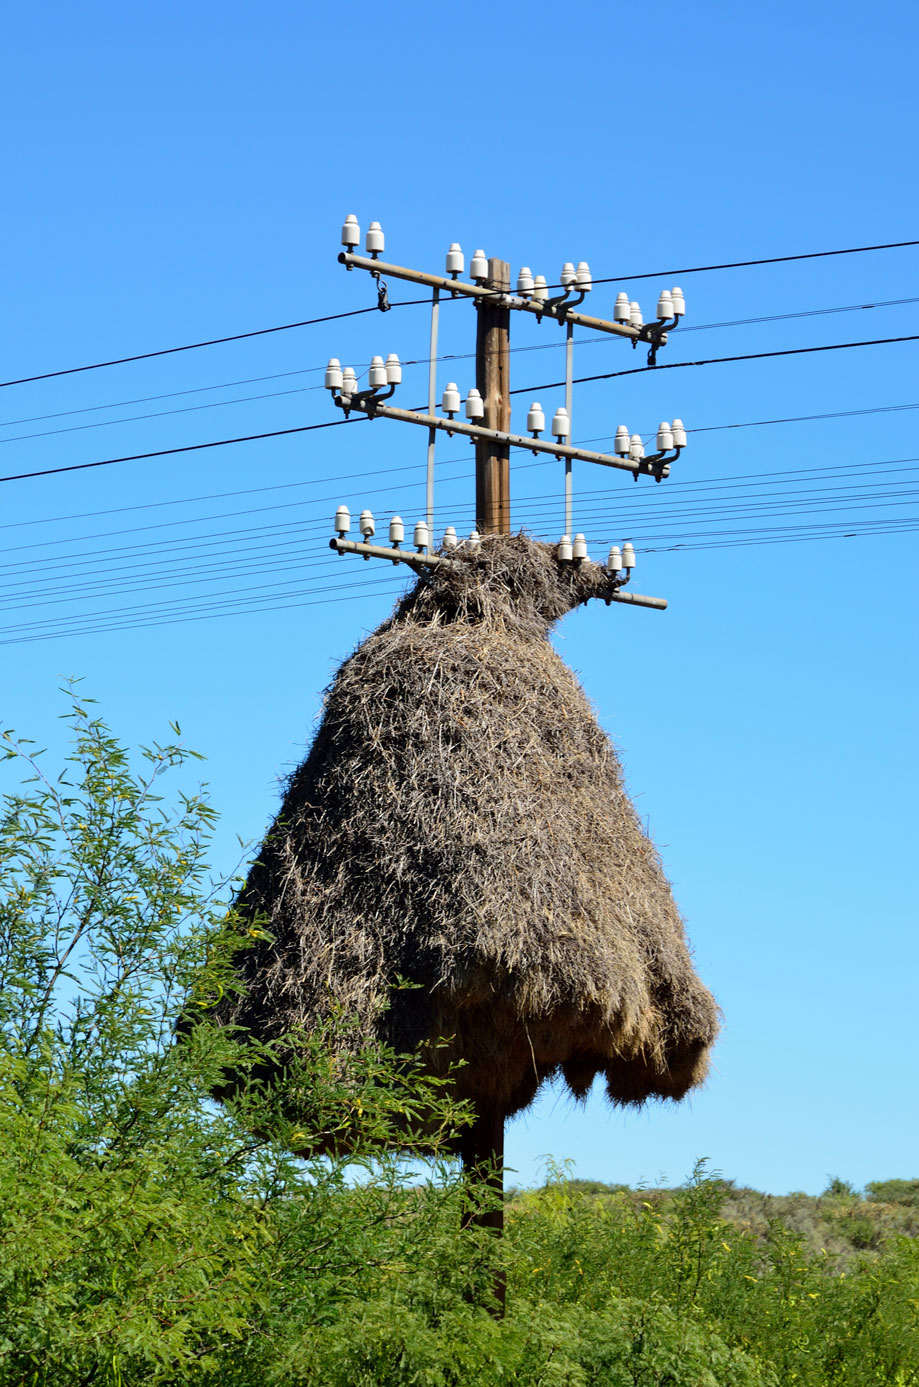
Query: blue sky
x: 180, y: 172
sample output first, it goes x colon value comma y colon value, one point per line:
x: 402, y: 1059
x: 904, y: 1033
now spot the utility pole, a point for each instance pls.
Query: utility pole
x: 493, y: 380
x: 482, y: 1155
x: 487, y: 406
x: 487, y: 424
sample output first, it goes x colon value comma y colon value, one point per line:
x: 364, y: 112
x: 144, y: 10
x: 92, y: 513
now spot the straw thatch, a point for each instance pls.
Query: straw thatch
x: 460, y: 822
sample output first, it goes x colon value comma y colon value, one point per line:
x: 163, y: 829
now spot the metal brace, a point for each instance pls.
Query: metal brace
x: 383, y: 303
x: 655, y: 339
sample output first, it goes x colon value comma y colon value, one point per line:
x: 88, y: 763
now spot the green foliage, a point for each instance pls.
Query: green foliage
x: 150, y: 1236
x: 762, y: 1292
x: 145, y: 1233
x: 894, y: 1192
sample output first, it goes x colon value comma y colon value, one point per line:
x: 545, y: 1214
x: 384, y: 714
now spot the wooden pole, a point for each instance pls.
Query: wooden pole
x: 482, y: 1148
x: 492, y: 377
x: 482, y: 1154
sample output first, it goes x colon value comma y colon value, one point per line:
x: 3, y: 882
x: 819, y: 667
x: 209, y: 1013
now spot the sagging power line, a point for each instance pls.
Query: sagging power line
x: 355, y: 312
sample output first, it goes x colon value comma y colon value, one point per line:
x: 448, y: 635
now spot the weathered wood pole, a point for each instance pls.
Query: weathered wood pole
x: 482, y: 1154
x: 493, y: 380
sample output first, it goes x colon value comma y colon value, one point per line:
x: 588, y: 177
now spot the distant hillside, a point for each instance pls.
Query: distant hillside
x: 842, y: 1223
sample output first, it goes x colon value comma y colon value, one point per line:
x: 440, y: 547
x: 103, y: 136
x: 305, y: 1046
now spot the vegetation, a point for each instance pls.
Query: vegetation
x: 148, y: 1236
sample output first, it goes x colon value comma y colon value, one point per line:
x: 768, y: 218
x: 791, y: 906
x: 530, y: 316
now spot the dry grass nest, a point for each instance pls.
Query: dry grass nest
x: 460, y: 822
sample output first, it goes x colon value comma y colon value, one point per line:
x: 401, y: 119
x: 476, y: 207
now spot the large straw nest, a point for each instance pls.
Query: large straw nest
x: 460, y: 822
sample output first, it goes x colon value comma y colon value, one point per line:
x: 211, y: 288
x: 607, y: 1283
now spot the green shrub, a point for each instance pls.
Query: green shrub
x: 149, y: 1239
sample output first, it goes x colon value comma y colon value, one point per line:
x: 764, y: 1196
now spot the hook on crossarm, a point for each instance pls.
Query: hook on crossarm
x: 383, y: 303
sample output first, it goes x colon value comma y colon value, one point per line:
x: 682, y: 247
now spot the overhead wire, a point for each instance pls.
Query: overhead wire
x: 419, y: 467
x: 555, y: 345
x: 531, y: 389
x: 185, y: 448
x: 298, y: 547
x: 788, y: 503
x: 355, y: 312
x: 714, y: 361
x: 848, y: 529
x: 181, y: 620
x: 48, y: 563
x: 208, y: 342
x: 158, y: 414
x: 231, y: 601
x: 167, y: 395
x: 744, y: 264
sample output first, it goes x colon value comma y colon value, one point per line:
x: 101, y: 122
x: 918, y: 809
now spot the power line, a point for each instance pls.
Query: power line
x: 169, y: 452
x: 524, y: 390
x: 769, y: 260
x: 713, y: 361
x: 594, y: 505
x: 805, y: 418
x: 712, y: 496
x: 843, y: 530
x: 419, y: 361
x: 220, y: 496
x: 297, y: 549
x: 158, y: 414
x: 746, y: 264
x: 406, y: 303
x: 209, y: 342
x: 787, y: 317
x: 48, y: 563
x: 172, y: 621
x: 847, y: 533
x: 150, y: 399
x: 417, y: 467
x: 225, y: 598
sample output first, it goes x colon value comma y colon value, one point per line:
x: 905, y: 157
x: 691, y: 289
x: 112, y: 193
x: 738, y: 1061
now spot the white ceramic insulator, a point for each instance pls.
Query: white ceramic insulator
x: 628, y: 555
x: 679, y: 303
x: 350, y: 232
x: 561, y: 424
x: 377, y: 373
x: 621, y: 445
x: 375, y: 242
x: 478, y: 266
x: 422, y: 536
x: 584, y: 278
x: 568, y: 275
x: 636, y: 448
x: 396, y: 530
x: 614, y: 562
x: 635, y: 318
x: 679, y: 433
x: 664, y: 438
x: 451, y: 400
x: 540, y: 289
x: 475, y: 405
x: 564, y: 548
x: 450, y: 540
x: 525, y: 281
x: 622, y: 309
x: 343, y: 520
x: 579, y: 547
x: 333, y: 374
x: 536, y: 419
x: 367, y: 524
x: 665, y: 305
x: 348, y: 381
x: 456, y: 260
x: 393, y: 369
x: 474, y: 540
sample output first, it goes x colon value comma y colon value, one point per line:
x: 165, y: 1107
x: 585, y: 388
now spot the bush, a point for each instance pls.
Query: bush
x: 894, y: 1192
x: 148, y: 1237
x: 146, y: 1233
